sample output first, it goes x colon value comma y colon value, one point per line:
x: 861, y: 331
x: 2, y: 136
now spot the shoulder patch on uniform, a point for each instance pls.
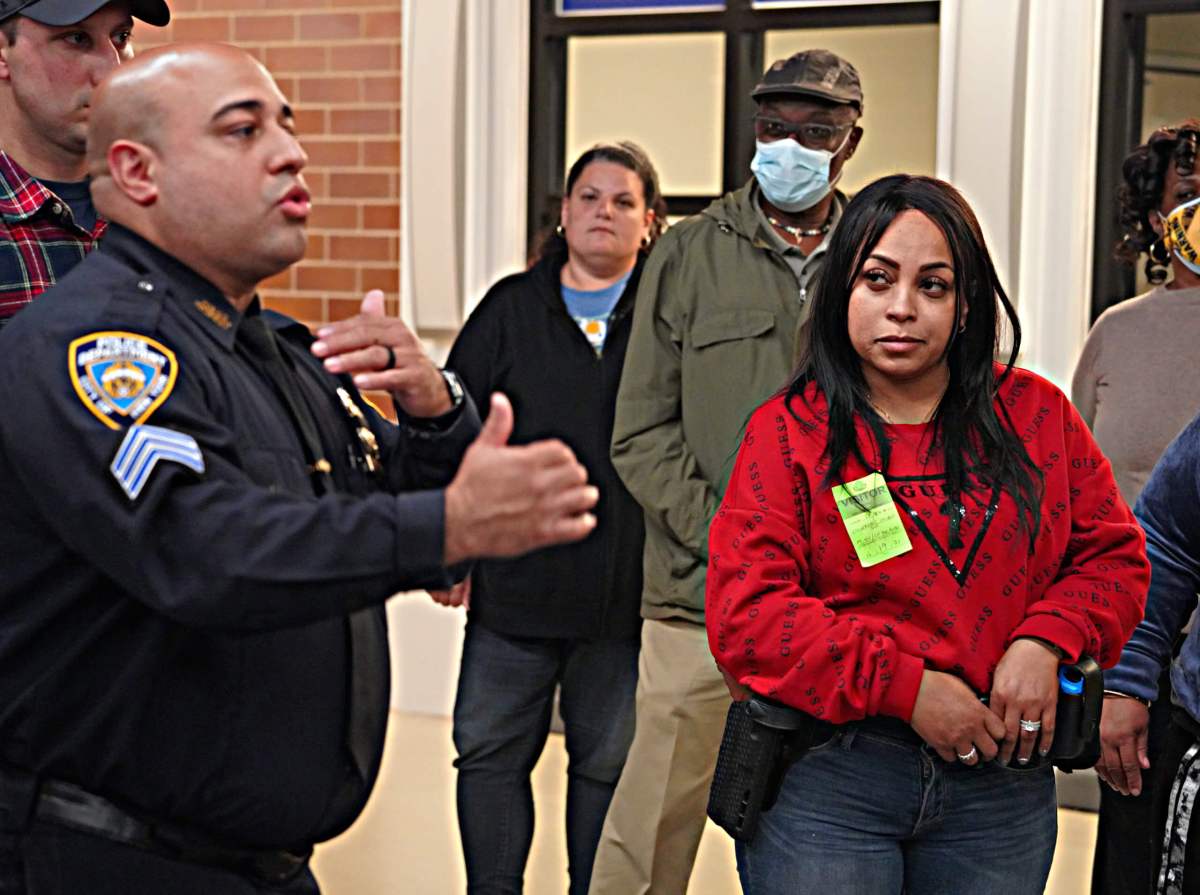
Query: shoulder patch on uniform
x: 141, y: 450
x: 121, y: 377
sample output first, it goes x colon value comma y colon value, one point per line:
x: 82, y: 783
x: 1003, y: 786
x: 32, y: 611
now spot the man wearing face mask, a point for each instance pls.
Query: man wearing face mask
x: 714, y: 333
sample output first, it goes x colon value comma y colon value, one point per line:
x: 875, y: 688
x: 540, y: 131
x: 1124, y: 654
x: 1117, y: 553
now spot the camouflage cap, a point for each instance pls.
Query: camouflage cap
x: 818, y: 73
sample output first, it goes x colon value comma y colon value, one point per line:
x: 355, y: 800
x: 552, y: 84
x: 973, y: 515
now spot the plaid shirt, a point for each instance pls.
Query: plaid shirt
x: 39, y: 241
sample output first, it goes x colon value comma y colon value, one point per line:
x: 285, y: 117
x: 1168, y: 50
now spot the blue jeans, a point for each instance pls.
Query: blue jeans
x: 868, y: 814
x: 501, y: 719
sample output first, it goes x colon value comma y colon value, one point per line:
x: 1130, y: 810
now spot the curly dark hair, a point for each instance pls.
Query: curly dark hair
x: 1145, y: 175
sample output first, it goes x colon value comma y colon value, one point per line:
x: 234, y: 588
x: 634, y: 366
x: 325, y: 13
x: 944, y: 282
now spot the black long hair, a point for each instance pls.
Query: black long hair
x: 1144, y: 177
x: 971, y: 435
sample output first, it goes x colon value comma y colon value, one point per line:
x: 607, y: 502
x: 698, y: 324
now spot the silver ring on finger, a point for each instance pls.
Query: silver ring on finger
x: 968, y: 757
x: 1030, y: 726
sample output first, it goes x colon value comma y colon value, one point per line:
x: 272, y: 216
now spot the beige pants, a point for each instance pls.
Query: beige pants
x: 657, y: 814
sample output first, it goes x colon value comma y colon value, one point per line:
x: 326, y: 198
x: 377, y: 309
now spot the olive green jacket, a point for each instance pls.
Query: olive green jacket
x: 713, y: 336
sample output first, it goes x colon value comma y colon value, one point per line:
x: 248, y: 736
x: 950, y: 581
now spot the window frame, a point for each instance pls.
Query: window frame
x: 1122, y: 77
x: 744, y: 28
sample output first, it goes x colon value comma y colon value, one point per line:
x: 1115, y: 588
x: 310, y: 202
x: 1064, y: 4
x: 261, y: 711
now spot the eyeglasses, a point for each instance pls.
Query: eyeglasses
x: 814, y: 136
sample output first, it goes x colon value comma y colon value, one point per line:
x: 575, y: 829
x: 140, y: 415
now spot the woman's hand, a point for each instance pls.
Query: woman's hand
x: 737, y: 692
x: 1025, y: 689
x: 949, y: 717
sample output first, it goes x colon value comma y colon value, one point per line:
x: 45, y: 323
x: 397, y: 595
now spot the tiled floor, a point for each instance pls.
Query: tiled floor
x: 407, y: 841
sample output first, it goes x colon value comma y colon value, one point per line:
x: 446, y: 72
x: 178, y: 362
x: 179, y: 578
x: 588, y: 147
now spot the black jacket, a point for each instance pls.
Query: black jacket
x: 521, y: 341
x: 185, y: 652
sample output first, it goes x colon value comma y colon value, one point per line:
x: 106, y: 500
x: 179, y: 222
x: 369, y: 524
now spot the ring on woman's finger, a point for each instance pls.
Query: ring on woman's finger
x: 391, y: 357
x: 969, y: 756
x: 1030, y: 726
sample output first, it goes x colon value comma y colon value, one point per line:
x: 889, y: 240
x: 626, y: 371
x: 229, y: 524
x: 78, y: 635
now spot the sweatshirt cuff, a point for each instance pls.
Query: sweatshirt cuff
x: 901, y: 695
x: 1053, y: 629
x: 1135, y: 675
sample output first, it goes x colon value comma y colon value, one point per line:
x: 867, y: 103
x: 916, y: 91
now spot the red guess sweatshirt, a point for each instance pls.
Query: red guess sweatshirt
x: 793, y: 615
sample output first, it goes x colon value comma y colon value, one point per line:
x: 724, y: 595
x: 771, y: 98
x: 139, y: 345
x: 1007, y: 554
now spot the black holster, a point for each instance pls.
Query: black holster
x: 762, y: 739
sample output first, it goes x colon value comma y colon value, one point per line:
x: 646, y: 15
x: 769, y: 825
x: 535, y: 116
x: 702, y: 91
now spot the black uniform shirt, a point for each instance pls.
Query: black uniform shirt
x: 173, y: 588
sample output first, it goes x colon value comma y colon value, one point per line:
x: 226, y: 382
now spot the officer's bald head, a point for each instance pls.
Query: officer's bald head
x: 141, y: 100
x: 193, y: 147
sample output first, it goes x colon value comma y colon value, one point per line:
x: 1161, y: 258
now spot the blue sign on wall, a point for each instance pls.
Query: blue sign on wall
x: 795, y: 4
x: 603, y: 7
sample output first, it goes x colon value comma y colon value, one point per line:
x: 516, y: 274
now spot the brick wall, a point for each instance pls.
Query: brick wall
x: 338, y: 62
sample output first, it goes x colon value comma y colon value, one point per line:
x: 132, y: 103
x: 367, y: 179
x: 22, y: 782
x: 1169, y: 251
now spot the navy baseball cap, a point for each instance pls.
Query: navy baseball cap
x: 71, y: 12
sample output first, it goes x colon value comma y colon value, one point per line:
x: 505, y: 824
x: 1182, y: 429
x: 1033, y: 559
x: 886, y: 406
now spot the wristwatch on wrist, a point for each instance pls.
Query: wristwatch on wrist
x: 455, y: 387
x: 430, y: 426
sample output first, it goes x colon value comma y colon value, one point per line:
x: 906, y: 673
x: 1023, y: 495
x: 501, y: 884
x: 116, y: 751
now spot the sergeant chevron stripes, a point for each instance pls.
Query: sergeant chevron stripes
x: 141, y: 450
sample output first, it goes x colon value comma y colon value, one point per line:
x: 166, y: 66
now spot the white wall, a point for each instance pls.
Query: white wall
x: 1017, y: 134
x: 465, y: 84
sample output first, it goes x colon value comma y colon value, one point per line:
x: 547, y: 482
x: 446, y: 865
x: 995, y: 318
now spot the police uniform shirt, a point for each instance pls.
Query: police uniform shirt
x: 174, y: 581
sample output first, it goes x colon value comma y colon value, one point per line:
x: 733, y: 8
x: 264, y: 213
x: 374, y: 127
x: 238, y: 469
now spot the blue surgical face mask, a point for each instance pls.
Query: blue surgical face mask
x: 793, y: 177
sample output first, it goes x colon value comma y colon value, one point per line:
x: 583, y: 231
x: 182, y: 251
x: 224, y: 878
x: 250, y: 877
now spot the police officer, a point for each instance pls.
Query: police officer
x: 52, y: 55
x: 201, y: 518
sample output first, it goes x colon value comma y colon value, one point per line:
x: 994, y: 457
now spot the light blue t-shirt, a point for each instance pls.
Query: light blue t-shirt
x: 591, y: 309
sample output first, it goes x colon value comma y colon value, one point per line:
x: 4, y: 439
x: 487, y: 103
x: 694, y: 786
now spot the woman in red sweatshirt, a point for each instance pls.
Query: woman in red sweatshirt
x: 910, y: 527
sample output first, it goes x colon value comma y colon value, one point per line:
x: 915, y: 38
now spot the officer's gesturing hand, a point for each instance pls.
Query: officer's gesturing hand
x: 383, y: 354
x: 507, y: 500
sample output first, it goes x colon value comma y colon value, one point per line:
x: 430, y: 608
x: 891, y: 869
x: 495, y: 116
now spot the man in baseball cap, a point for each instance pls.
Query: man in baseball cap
x: 52, y: 54
x: 714, y: 331
x: 72, y: 12
x: 818, y: 73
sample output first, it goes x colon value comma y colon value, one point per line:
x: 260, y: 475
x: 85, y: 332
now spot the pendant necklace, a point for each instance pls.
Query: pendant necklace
x: 801, y: 232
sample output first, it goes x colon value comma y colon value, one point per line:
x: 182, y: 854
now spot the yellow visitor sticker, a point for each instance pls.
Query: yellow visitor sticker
x: 871, y: 519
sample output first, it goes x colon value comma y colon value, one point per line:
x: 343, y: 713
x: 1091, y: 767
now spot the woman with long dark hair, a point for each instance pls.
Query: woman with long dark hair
x: 553, y: 339
x: 908, y: 529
